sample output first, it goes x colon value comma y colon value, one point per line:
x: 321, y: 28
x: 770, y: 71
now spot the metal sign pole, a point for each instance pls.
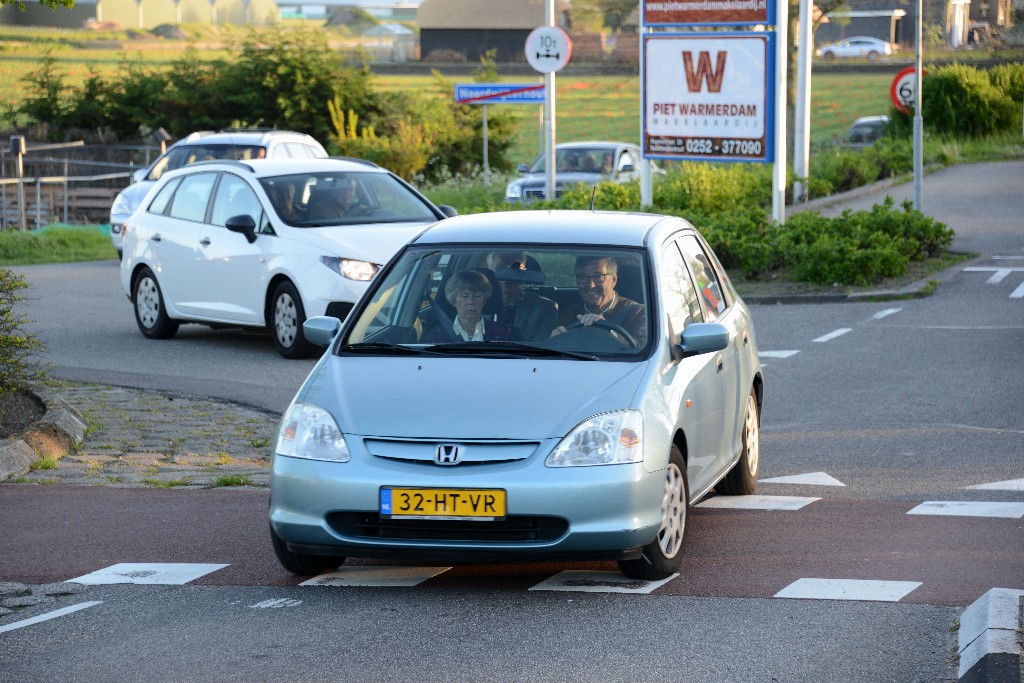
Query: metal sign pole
x: 779, y: 175
x: 549, y: 116
x: 918, y: 119
x: 487, y: 165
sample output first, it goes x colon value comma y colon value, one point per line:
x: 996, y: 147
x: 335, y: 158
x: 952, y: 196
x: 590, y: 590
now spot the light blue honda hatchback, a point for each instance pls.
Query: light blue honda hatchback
x: 523, y: 386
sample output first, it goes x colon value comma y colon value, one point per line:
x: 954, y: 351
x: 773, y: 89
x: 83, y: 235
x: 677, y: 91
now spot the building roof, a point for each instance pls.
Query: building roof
x: 480, y: 14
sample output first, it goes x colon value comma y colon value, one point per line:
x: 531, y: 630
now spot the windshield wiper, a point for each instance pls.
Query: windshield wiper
x: 381, y: 347
x: 507, y: 348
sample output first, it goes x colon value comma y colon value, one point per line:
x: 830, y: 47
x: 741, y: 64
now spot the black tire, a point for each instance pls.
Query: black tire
x: 660, y: 559
x: 873, y: 56
x: 828, y: 56
x: 301, y: 563
x: 742, y: 478
x: 150, y: 312
x: 284, y: 318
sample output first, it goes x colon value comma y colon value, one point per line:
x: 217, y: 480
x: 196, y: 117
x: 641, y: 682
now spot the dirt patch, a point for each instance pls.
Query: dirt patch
x: 18, y: 410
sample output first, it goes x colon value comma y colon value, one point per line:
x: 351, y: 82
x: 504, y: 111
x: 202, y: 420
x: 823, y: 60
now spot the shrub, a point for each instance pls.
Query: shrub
x: 961, y: 100
x: 17, y: 364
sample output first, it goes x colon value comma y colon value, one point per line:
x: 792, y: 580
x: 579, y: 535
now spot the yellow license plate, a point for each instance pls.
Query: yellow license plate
x: 412, y: 503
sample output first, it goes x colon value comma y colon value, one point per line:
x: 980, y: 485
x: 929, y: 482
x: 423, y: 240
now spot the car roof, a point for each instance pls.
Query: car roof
x: 242, y: 136
x: 265, y: 168
x: 614, y: 228
x: 593, y: 143
x: 866, y: 120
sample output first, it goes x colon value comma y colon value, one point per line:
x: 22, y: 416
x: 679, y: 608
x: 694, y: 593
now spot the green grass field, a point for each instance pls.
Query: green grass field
x: 592, y: 107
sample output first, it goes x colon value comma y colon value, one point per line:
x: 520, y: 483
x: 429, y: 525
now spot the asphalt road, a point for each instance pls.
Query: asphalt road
x: 893, y: 420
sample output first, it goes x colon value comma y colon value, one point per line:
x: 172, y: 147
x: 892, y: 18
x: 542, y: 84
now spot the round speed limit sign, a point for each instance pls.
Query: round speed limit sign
x: 904, y: 89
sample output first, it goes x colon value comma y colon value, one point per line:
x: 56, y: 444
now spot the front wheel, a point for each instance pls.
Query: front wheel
x: 150, y: 312
x: 660, y: 558
x: 742, y: 478
x: 301, y: 563
x: 286, y: 318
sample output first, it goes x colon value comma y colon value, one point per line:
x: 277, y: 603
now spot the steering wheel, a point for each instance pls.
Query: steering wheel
x: 611, y: 327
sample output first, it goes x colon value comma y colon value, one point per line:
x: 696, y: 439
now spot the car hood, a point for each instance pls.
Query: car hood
x: 538, y: 179
x: 376, y: 243
x: 468, y: 398
x: 133, y: 195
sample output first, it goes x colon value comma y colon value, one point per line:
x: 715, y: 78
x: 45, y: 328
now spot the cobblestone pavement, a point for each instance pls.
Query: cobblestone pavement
x: 145, y: 438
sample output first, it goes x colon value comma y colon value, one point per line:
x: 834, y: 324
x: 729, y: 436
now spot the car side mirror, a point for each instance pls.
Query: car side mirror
x: 628, y: 168
x: 700, y: 338
x: 449, y: 211
x: 244, y: 224
x: 523, y: 168
x: 321, y: 329
x: 139, y: 175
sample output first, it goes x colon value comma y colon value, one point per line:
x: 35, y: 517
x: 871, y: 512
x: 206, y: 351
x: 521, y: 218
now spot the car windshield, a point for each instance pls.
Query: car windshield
x: 579, y: 160
x: 183, y: 155
x: 313, y: 200
x: 507, y: 301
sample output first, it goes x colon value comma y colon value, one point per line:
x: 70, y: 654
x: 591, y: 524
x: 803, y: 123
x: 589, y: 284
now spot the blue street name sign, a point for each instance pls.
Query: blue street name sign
x: 499, y: 93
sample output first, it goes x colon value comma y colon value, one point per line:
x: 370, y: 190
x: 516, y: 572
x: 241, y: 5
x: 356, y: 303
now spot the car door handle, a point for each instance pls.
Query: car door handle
x: 720, y: 363
x: 746, y: 337
x: 157, y: 238
x: 205, y: 241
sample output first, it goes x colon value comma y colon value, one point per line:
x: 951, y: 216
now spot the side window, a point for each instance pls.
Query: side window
x: 704, y: 274
x: 677, y: 292
x: 192, y: 197
x: 163, y: 197
x: 234, y: 197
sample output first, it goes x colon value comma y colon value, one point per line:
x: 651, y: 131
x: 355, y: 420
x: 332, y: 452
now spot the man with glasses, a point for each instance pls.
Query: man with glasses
x: 596, y: 277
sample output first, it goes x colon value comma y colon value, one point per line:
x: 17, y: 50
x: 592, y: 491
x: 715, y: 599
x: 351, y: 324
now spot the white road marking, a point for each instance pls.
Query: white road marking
x: 1008, y: 485
x: 960, y: 508
x: 833, y: 334
x: 1018, y: 293
x: 756, y: 502
x: 278, y: 602
x: 376, y: 576
x: 49, y: 615
x: 811, y: 478
x: 598, y: 582
x: 887, y: 312
x: 848, y: 589
x: 776, y: 354
x: 158, y: 574
x: 998, y: 274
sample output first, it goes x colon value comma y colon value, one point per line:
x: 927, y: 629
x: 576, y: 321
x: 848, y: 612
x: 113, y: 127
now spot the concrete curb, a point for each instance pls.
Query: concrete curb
x: 58, y: 432
x: 990, y: 638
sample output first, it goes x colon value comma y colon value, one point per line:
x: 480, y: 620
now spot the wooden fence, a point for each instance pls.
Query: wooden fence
x: 61, y: 199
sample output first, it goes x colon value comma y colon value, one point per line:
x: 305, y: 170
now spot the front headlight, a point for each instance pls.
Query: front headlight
x: 121, y: 206
x: 608, y: 439
x: 362, y: 271
x: 310, y: 432
x: 514, y: 191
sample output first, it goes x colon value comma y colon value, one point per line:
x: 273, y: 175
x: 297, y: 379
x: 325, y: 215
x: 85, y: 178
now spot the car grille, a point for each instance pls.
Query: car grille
x: 516, y: 529
x: 538, y: 195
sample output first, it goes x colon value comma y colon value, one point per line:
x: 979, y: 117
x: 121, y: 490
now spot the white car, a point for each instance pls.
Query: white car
x: 863, y: 47
x: 243, y: 143
x: 265, y: 243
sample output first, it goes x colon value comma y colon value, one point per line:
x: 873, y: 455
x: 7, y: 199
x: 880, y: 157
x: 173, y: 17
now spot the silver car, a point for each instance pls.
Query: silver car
x: 857, y: 47
x: 437, y: 426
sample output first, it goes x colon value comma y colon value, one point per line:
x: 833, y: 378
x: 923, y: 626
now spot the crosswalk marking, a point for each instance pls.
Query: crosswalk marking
x: 776, y: 354
x: 848, y: 589
x: 154, y: 574
x: 49, y: 615
x: 394, y: 577
x: 810, y: 478
x: 887, y: 312
x: 1008, y: 485
x: 757, y: 502
x: 598, y: 582
x: 961, y: 508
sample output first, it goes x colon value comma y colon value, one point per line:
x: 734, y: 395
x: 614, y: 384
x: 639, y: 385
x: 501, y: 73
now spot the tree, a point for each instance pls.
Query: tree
x: 52, y: 4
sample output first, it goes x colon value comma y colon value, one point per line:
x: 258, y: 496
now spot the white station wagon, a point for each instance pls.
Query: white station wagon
x: 523, y: 386
x: 265, y: 243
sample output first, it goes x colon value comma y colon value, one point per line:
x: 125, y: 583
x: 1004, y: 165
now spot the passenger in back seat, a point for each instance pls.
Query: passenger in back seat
x: 533, y: 315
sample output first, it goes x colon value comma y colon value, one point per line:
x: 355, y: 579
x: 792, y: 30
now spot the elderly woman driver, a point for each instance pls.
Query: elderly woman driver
x: 468, y: 291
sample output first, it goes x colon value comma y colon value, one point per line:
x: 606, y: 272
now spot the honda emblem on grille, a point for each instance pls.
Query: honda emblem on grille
x: 447, y: 454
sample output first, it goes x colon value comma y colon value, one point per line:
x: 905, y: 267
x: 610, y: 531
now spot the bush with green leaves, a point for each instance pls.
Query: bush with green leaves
x: 17, y: 347
x: 963, y: 100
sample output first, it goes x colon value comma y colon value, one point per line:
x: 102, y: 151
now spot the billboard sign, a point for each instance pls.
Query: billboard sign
x: 709, y: 96
x: 697, y: 12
